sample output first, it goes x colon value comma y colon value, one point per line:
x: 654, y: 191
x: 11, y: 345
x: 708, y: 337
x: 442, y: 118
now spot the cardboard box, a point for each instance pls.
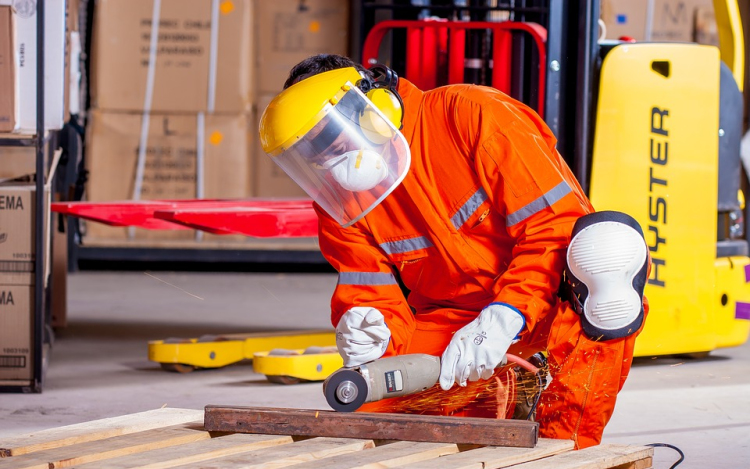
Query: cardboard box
x: 7, y: 72
x: 16, y: 332
x: 625, y: 18
x: 706, y: 31
x: 198, y: 65
x: 289, y: 31
x: 654, y: 20
x: 270, y: 180
x: 25, y: 49
x: 674, y: 20
x: 17, y: 162
x: 18, y: 228
x: 170, y: 167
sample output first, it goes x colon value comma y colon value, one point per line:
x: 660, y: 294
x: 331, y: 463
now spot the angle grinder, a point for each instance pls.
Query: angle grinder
x: 348, y: 388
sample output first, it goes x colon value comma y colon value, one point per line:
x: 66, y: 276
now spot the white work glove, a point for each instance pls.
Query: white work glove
x: 362, y: 336
x: 480, y: 346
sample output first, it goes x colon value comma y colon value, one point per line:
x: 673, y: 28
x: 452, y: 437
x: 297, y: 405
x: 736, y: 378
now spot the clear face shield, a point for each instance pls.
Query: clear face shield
x: 350, y: 160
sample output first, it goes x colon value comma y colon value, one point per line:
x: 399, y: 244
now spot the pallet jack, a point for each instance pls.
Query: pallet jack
x: 284, y: 357
x: 284, y: 366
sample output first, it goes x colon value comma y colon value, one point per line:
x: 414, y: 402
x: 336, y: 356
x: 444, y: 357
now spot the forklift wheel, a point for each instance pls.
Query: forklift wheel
x: 178, y: 367
x: 282, y: 379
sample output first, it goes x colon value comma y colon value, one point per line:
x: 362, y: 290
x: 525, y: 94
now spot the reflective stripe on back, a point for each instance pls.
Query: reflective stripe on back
x: 366, y: 278
x: 406, y: 245
x: 546, y: 200
x: 468, y: 209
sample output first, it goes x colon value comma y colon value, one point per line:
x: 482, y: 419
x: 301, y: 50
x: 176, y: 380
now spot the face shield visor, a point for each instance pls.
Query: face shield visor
x: 350, y: 160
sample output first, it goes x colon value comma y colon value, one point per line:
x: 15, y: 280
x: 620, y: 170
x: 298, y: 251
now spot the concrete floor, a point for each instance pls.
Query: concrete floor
x: 99, y: 368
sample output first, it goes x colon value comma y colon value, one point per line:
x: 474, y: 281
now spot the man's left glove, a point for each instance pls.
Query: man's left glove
x: 362, y: 335
x: 480, y: 346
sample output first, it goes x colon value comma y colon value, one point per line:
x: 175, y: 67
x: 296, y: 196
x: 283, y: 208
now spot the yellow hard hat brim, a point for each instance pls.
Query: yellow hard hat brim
x: 296, y: 110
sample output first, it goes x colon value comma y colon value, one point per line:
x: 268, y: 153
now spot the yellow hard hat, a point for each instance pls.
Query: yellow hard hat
x: 291, y: 114
x: 341, y: 148
x: 296, y: 110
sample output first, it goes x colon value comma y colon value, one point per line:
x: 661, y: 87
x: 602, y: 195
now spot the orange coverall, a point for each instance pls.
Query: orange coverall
x: 484, y: 215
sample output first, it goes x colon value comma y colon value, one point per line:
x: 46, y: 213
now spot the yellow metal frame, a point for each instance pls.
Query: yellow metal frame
x: 227, y: 349
x: 309, y: 367
x: 655, y: 157
x: 731, y: 38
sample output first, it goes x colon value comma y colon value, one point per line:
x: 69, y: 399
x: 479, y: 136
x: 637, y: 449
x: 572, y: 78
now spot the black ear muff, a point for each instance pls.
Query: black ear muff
x: 382, y: 91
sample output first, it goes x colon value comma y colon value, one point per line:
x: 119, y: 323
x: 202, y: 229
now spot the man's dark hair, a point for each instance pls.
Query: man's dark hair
x: 319, y: 64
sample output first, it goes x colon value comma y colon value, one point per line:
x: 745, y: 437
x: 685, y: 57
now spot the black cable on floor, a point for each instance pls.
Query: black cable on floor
x: 665, y: 445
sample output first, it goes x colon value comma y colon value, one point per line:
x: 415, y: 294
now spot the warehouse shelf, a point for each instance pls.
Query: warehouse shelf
x: 40, y: 333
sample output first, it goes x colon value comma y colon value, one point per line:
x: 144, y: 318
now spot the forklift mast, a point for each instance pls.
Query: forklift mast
x: 570, y: 63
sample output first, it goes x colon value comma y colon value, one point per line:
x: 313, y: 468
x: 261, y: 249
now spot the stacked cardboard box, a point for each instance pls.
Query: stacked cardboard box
x: 170, y: 152
x: 18, y: 56
x: 17, y: 280
x: 660, y: 20
x: 172, y: 89
x: 17, y: 164
x: 178, y: 87
x: 289, y: 31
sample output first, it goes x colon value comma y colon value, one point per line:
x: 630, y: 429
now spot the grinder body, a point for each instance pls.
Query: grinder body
x: 348, y: 388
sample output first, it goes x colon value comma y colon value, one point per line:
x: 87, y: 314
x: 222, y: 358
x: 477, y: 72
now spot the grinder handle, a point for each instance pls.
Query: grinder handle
x: 400, y: 375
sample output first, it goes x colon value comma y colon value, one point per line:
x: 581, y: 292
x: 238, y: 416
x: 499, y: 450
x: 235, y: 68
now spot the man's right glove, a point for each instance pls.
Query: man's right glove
x: 362, y: 335
x: 480, y: 346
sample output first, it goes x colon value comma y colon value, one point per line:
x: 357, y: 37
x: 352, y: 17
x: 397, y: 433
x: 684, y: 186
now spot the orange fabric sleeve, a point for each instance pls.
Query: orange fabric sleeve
x: 355, y: 255
x: 527, y: 180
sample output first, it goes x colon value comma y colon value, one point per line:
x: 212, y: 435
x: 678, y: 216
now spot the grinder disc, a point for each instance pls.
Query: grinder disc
x: 345, y: 391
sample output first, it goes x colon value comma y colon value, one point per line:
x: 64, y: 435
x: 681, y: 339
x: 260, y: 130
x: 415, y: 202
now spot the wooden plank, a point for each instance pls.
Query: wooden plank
x: 109, y: 448
x: 596, y: 457
x: 427, y: 428
x: 97, y: 430
x: 496, y: 456
x: 225, y: 445
x: 646, y: 463
x: 314, y: 449
x: 389, y: 455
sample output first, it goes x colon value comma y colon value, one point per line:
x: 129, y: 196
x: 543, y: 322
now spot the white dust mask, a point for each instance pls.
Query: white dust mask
x: 358, y: 170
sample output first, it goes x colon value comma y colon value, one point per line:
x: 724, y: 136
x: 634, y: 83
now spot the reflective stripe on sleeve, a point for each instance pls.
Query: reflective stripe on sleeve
x: 546, y: 200
x: 468, y: 209
x: 366, y: 278
x: 406, y: 245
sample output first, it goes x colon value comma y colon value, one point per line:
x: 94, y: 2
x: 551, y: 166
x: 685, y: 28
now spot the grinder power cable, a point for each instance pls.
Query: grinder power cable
x: 348, y: 388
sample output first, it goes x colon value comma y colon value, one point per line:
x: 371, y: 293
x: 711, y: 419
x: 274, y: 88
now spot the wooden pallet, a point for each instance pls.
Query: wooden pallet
x: 167, y: 438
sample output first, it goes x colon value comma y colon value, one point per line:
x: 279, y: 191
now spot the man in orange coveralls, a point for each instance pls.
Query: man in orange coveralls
x: 471, y: 208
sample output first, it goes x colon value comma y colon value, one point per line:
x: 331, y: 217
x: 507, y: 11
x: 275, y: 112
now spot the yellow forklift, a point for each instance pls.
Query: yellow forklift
x: 650, y: 129
x: 666, y: 149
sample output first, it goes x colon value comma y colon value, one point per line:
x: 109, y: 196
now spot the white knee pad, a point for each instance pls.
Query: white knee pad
x: 606, y: 273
